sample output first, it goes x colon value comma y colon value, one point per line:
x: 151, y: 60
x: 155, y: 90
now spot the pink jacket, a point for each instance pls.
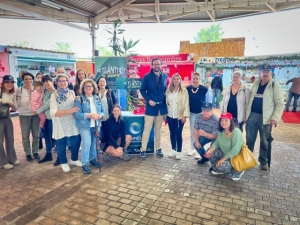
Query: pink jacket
x: 36, y: 100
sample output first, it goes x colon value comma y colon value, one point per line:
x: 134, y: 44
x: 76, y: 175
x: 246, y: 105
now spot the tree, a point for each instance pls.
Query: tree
x: 114, y: 41
x: 126, y: 46
x: 212, y: 34
x: 23, y: 44
x: 103, y: 51
x: 62, y: 47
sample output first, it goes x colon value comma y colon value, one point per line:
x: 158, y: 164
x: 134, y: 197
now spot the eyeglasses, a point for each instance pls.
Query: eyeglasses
x: 88, y: 86
x: 156, y: 65
x: 62, y: 81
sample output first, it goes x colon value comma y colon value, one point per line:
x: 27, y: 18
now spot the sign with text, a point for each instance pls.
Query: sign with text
x: 129, y: 83
x: 212, y: 60
x: 164, y: 58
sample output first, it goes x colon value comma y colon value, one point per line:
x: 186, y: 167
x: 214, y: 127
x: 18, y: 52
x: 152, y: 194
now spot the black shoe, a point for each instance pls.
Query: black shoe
x: 86, y: 169
x: 210, y: 169
x: 94, y: 163
x: 293, y: 110
x: 29, y: 158
x: 57, y: 162
x: 48, y: 157
x: 264, y: 167
x: 203, y: 160
x: 143, y: 155
x: 36, y: 156
x: 287, y: 110
x: 159, y: 153
x: 40, y: 143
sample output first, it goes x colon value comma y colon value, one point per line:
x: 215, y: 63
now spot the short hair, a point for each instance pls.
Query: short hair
x: 231, y: 127
x: 46, y: 78
x: 82, y: 84
x: 196, y: 74
x: 38, y: 83
x: 156, y: 59
x: 13, y: 90
x: 27, y: 74
x: 61, y: 68
x: 62, y: 75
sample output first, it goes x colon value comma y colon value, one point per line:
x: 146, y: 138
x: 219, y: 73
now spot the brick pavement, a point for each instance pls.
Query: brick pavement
x: 155, y: 191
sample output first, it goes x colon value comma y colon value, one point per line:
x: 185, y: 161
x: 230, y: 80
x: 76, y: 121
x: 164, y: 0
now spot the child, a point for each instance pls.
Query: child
x: 36, y: 101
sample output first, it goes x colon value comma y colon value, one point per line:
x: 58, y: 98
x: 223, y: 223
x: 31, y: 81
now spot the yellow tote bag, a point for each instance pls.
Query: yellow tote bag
x: 245, y: 160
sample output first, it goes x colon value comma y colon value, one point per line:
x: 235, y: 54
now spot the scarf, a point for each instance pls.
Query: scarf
x: 62, y: 94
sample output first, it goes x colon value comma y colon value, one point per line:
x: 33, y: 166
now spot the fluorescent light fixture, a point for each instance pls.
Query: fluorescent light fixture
x: 50, y: 5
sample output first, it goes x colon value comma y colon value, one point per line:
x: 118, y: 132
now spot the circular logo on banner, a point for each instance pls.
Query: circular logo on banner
x: 135, y: 128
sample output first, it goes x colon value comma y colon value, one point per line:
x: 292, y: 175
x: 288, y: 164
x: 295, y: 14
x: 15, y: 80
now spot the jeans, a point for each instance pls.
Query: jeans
x: 216, y: 97
x: 61, y: 145
x: 192, y: 122
x: 47, y: 133
x: 175, y: 128
x: 203, y: 141
x: 88, y: 145
x: 291, y: 95
x: 253, y: 125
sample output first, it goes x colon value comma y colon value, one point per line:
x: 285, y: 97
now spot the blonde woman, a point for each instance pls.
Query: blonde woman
x: 177, y: 100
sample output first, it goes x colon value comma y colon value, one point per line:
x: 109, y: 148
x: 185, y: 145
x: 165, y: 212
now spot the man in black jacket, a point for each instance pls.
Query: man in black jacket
x: 217, y: 88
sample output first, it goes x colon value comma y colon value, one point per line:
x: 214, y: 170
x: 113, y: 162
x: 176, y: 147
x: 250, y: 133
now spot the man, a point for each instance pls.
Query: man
x: 294, y: 92
x: 264, y: 110
x: 205, y: 130
x: 217, y: 88
x: 153, y: 91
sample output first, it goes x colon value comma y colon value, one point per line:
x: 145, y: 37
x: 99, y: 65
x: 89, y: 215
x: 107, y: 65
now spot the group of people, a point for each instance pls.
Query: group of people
x: 71, y: 118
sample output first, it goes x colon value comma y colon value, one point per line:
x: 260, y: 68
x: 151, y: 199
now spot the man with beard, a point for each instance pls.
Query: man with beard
x: 153, y: 89
x: 264, y: 110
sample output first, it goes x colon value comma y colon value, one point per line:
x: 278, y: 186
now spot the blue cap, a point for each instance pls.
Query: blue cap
x: 207, y: 106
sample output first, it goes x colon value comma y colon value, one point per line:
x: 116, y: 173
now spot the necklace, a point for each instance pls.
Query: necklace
x: 194, y: 92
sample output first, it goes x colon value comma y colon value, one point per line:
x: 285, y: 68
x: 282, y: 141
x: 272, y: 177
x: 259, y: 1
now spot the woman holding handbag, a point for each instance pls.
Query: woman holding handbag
x: 227, y: 145
x: 7, y: 100
x: 88, y: 119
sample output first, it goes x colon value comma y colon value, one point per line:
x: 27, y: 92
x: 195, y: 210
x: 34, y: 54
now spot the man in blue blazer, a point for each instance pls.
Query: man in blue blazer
x: 153, y: 90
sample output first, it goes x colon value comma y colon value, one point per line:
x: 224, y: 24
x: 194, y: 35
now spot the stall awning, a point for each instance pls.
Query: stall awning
x: 35, y: 59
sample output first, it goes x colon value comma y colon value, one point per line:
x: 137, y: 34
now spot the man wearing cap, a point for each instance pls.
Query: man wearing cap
x: 153, y: 89
x: 205, y: 130
x: 294, y: 92
x: 264, y: 110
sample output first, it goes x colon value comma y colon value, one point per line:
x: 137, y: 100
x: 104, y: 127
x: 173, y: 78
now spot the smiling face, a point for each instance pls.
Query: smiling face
x: 48, y: 84
x: 176, y: 81
x: 8, y: 85
x: 207, y: 114
x: 196, y: 79
x: 81, y: 75
x: 102, y: 83
x: 62, y: 82
x: 156, y: 66
x: 27, y: 80
x: 39, y: 88
x: 39, y: 77
x: 116, y: 112
x: 225, y: 123
x: 236, y: 78
x: 88, y: 88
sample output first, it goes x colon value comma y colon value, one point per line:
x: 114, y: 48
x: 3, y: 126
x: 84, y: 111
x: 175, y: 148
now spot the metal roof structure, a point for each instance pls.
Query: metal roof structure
x: 94, y: 12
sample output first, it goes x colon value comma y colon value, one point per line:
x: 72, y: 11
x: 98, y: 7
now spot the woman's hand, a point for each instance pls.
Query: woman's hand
x: 220, y: 162
x: 208, y: 153
x: 100, y: 116
x: 74, y: 109
x: 183, y: 119
x: 94, y: 116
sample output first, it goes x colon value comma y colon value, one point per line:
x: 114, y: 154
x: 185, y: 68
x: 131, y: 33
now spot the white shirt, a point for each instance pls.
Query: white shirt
x: 93, y: 110
x: 172, y: 105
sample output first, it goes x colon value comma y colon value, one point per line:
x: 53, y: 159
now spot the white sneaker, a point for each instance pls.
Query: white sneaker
x: 238, y: 178
x: 178, y: 155
x: 215, y: 173
x: 197, y: 156
x: 8, y: 166
x: 75, y: 163
x: 65, y: 167
x: 172, y: 153
x: 16, y: 163
x: 191, y: 151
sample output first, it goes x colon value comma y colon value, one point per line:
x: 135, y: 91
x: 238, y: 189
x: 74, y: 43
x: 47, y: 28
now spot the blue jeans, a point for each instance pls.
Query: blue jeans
x: 88, y: 145
x: 291, y: 95
x: 216, y: 97
x: 175, y: 128
x: 61, y: 145
x: 192, y: 122
x: 47, y: 134
x: 203, y: 141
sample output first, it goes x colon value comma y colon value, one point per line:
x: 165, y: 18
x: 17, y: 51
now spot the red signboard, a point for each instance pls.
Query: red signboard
x: 164, y: 58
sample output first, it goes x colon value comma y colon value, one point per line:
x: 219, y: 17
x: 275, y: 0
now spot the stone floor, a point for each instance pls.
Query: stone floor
x: 154, y: 191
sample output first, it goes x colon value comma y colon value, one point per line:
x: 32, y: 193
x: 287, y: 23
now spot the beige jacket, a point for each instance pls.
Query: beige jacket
x: 273, y: 103
x: 183, y: 106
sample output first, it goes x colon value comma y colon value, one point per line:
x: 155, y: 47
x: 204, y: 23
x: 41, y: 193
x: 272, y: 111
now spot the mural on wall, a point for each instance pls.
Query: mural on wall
x: 4, y: 66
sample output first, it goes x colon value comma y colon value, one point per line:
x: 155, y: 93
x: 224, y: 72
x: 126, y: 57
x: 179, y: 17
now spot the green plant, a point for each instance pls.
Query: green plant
x: 62, y: 47
x: 212, y: 34
x: 114, y: 41
x: 126, y: 46
x: 103, y: 51
x: 23, y: 44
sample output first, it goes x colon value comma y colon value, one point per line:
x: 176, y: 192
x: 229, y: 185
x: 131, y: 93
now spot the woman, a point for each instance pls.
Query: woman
x: 235, y: 99
x: 45, y: 108
x: 115, y: 141
x: 108, y: 99
x: 7, y: 100
x: 177, y: 100
x: 88, y: 119
x: 29, y: 122
x: 80, y: 76
x: 227, y: 145
x: 39, y: 76
x: 197, y: 95
x: 62, y: 109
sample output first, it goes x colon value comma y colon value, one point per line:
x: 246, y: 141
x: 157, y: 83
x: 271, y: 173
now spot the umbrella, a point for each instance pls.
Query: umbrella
x: 270, y: 139
x: 98, y: 143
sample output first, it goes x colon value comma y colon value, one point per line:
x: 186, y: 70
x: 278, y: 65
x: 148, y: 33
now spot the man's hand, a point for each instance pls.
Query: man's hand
x: 152, y: 103
x: 273, y: 123
x: 197, y: 145
x: 202, y: 133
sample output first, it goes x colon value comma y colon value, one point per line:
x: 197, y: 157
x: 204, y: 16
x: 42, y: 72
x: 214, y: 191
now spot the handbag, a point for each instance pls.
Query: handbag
x: 4, y: 109
x: 245, y: 160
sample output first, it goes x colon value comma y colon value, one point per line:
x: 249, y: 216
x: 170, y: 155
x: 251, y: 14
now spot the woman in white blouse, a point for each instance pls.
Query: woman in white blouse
x: 62, y: 109
x: 178, y: 110
x: 7, y: 100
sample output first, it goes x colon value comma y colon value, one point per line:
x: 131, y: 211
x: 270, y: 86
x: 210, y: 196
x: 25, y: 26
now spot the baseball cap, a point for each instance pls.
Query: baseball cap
x: 226, y: 115
x: 265, y: 67
x: 207, y: 106
x: 8, y: 78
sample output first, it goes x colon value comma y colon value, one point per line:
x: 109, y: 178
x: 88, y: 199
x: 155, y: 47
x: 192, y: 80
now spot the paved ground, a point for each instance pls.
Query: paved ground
x: 155, y: 191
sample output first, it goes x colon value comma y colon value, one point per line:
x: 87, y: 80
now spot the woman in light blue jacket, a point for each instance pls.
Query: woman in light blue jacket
x: 91, y: 112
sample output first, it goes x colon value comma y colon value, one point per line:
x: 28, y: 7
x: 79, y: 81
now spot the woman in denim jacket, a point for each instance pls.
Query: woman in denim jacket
x: 91, y: 112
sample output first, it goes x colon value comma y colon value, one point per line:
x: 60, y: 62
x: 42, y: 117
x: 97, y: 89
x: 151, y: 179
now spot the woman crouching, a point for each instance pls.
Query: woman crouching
x: 115, y: 141
x: 227, y: 145
x: 88, y: 119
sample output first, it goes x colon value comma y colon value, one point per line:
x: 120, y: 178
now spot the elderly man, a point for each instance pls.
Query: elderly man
x: 294, y: 92
x: 264, y: 110
x: 205, y: 130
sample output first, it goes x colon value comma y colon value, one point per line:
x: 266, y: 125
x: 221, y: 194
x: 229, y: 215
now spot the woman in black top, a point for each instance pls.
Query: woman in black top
x: 197, y: 95
x: 115, y: 141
